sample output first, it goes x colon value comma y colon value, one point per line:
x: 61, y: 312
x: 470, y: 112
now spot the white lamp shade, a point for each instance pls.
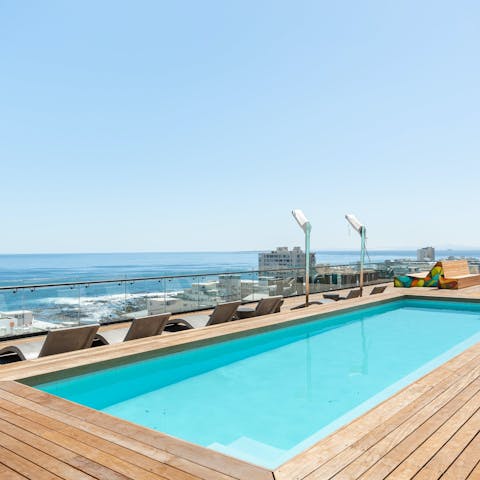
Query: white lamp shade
x: 301, y: 219
x: 353, y: 221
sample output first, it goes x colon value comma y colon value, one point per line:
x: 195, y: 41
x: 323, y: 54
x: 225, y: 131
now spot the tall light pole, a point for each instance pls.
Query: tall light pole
x: 362, y: 231
x: 307, y: 228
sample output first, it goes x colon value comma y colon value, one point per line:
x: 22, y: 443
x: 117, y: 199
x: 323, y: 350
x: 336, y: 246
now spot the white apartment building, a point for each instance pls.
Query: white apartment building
x: 283, y: 258
x: 426, y: 254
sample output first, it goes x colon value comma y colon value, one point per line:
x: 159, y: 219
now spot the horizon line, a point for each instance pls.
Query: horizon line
x: 316, y: 250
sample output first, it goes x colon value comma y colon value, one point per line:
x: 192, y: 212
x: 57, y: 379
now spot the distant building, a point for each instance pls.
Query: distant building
x: 426, y: 254
x: 341, y: 276
x: 283, y: 258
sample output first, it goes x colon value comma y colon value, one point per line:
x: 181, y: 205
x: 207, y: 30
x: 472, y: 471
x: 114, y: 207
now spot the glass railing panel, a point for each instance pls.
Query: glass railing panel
x: 300, y: 281
x: 247, y: 285
x: 256, y: 286
x: 213, y: 289
x: 55, y: 307
x: 156, y: 298
x: 102, y: 302
x: 276, y: 282
x: 262, y: 282
x: 14, y: 318
x: 348, y: 276
x: 179, y: 296
x: 190, y: 295
x: 286, y: 284
x: 200, y: 290
x: 30, y: 310
x: 232, y: 287
x: 272, y: 284
x: 137, y: 294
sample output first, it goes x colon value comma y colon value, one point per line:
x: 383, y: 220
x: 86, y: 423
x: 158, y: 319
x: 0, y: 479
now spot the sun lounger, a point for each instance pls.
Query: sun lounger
x: 57, y: 341
x: 269, y: 305
x: 222, y: 313
x: 351, y: 294
x: 265, y: 306
x: 334, y: 297
x: 377, y: 290
x: 139, y: 328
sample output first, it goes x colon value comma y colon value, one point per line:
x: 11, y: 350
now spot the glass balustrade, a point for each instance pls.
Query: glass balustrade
x: 28, y: 309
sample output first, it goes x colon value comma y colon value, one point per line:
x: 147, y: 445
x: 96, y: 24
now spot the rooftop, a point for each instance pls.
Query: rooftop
x: 428, y: 429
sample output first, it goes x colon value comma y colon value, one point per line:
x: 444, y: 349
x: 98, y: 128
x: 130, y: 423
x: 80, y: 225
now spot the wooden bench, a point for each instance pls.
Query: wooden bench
x: 456, y: 274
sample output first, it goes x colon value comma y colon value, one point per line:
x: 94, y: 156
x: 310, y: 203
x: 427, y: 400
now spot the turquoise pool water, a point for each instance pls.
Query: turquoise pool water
x: 267, y: 397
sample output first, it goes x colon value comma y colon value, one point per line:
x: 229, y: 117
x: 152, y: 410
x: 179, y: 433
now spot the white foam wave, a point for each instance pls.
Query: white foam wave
x: 96, y: 308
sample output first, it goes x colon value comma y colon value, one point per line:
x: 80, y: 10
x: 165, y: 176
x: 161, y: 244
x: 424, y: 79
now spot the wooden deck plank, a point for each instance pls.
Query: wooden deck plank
x: 475, y: 474
x: 439, y: 464
x: 421, y: 455
x: 49, y: 462
x: 9, y: 474
x: 463, y: 466
x: 394, y: 450
x: 25, y: 467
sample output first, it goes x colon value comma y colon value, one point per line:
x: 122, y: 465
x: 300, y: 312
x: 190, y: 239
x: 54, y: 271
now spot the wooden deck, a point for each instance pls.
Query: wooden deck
x: 428, y: 430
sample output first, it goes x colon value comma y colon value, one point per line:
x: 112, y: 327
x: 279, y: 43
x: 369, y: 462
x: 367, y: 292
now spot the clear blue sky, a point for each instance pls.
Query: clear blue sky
x: 187, y: 125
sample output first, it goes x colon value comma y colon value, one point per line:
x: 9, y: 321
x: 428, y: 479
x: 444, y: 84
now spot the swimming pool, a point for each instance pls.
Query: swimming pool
x: 266, y: 397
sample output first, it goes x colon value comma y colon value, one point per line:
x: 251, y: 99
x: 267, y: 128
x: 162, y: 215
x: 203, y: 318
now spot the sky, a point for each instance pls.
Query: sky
x: 186, y: 125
